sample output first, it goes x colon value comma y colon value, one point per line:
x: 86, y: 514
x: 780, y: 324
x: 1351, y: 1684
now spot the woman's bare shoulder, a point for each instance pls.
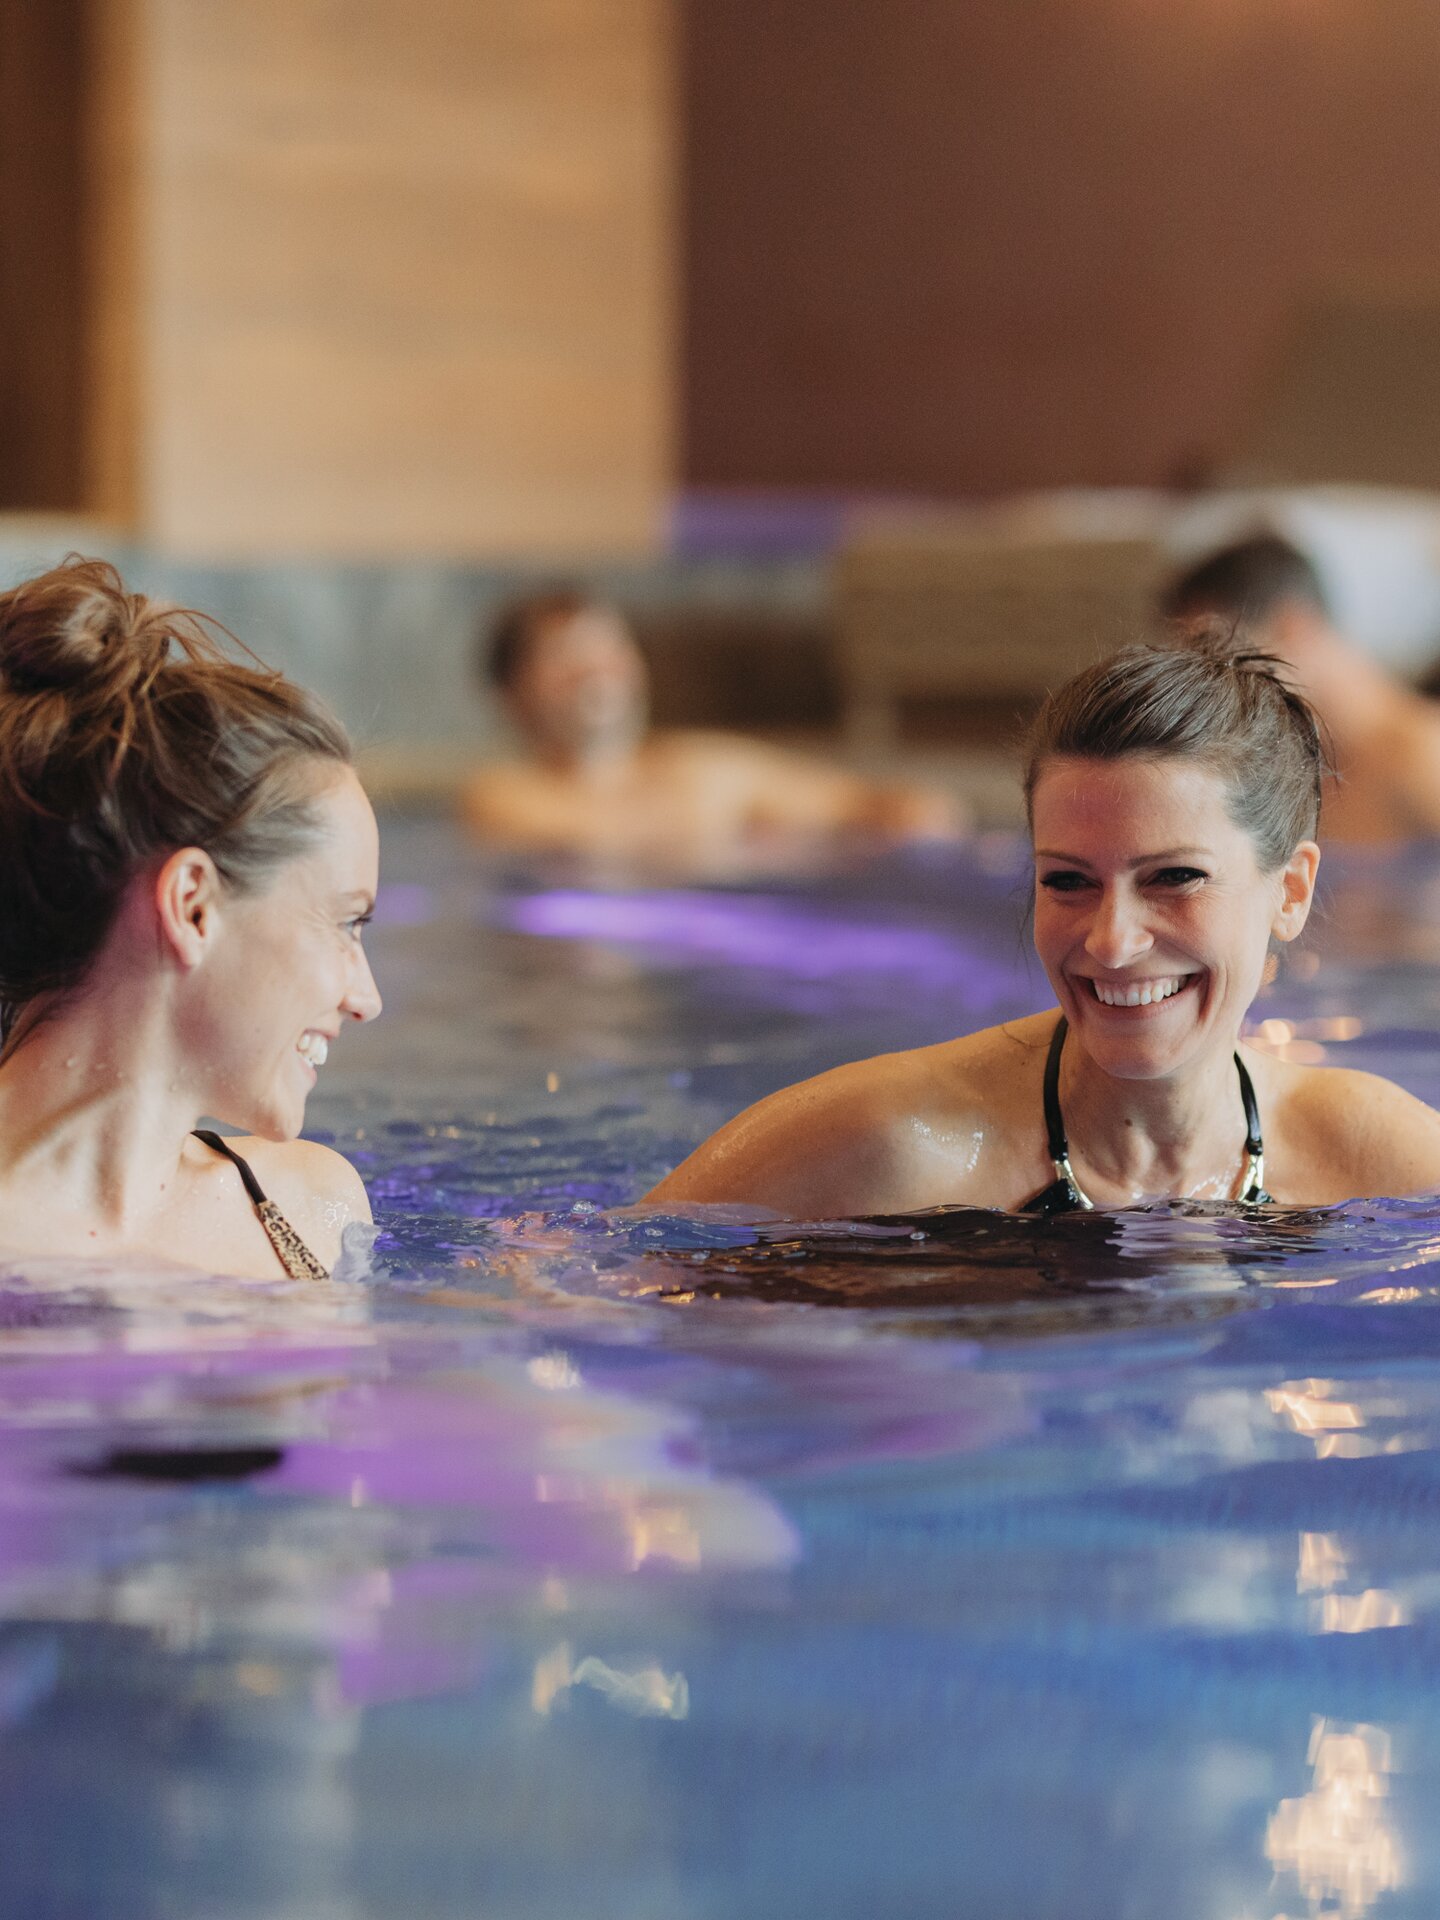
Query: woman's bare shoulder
x: 1363, y: 1135
x: 868, y: 1137
x: 316, y: 1188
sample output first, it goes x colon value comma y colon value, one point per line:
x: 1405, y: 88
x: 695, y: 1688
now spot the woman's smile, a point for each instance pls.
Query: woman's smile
x: 1138, y: 996
x: 313, y: 1047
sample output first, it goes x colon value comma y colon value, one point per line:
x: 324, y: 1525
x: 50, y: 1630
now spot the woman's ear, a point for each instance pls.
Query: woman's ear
x: 1297, y: 882
x: 187, y: 903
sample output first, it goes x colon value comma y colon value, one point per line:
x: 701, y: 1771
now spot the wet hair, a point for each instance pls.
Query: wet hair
x: 128, y: 730
x: 1209, y: 699
x: 507, y: 637
x: 1245, y: 583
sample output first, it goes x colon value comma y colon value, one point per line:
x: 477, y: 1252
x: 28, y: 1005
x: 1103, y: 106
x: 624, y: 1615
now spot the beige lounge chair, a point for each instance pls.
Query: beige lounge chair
x: 948, y: 607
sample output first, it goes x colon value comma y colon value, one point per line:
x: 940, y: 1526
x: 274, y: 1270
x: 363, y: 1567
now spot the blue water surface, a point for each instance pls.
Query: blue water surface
x: 553, y: 1563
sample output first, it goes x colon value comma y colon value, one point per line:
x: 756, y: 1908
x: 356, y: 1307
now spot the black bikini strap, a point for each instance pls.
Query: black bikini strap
x: 246, y: 1171
x: 1054, y: 1119
x: 1253, y: 1143
x: 1060, y: 1146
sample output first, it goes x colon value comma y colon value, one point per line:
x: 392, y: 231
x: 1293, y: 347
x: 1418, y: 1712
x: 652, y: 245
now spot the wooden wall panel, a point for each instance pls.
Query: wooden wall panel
x: 112, y: 150
x: 967, y: 245
x: 406, y: 275
x: 44, y: 77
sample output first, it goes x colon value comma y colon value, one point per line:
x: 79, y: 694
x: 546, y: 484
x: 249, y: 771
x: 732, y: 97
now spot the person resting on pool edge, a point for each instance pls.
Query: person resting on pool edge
x: 189, y: 862
x: 596, y: 780
x: 1385, y: 736
x: 1174, y: 796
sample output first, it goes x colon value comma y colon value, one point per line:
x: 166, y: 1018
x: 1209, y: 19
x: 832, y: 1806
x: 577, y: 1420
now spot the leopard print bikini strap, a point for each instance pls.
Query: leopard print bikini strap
x: 291, y: 1251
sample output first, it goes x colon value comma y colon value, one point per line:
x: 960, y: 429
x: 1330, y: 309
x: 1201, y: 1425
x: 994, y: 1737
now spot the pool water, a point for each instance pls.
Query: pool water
x: 559, y: 1563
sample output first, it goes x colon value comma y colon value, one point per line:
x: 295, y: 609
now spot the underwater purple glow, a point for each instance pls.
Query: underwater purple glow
x: 761, y: 931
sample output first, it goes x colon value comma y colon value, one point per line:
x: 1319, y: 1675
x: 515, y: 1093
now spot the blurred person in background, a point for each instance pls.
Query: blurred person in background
x: 595, y: 778
x: 1384, y: 735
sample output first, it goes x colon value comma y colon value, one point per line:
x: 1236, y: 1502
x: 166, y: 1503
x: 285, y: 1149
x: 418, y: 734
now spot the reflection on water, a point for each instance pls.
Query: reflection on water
x: 1323, y: 1562
x: 1337, y: 1840
x: 1308, y: 1407
x: 580, y: 1560
x: 645, y: 1690
x: 1324, y: 1569
x: 1361, y: 1612
x: 1340, y: 1427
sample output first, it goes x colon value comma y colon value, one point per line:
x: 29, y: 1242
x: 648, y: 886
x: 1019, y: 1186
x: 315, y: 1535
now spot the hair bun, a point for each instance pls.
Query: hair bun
x: 1223, y: 643
x: 77, y: 625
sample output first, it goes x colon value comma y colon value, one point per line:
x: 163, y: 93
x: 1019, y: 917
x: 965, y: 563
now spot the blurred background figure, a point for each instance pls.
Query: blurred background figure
x: 1385, y: 736
x: 595, y: 778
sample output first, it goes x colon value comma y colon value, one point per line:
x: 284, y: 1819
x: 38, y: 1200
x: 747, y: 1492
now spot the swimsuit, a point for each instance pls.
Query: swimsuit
x: 1065, y: 1195
x: 293, y: 1254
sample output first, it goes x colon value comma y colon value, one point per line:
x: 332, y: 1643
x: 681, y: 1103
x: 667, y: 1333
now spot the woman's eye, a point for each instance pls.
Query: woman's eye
x: 1178, y: 877
x: 355, y: 928
x: 1064, y: 881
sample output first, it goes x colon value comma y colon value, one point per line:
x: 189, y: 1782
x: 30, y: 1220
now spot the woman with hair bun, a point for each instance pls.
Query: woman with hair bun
x: 189, y: 861
x: 1174, y: 798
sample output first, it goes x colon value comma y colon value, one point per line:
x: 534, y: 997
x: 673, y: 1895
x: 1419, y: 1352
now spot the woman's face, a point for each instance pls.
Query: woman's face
x: 581, y: 681
x: 292, y: 972
x: 1152, y: 916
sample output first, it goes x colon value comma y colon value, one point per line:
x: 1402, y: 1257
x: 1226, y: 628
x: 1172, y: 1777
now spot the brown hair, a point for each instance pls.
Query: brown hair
x: 1205, y: 697
x: 508, y: 636
x: 1245, y: 583
x: 126, y: 731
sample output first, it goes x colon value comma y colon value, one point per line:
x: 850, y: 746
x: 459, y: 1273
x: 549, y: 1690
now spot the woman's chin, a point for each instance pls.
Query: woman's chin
x: 1136, y: 1049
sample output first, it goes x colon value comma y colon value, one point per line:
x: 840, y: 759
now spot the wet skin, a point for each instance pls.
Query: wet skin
x: 292, y: 964
x: 204, y: 1001
x: 1143, y: 880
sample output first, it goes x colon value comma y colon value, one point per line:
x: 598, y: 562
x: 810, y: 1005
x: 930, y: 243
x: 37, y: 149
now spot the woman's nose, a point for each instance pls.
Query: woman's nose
x: 362, y: 999
x: 1117, y: 933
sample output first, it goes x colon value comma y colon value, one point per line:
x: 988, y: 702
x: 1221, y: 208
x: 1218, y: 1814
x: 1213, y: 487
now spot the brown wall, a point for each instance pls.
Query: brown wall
x: 402, y: 275
x: 961, y: 245
x: 44, y: 67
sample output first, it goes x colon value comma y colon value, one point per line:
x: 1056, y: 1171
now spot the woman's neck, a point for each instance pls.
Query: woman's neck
x: 1182, y: 1137
x: 95, y: 1106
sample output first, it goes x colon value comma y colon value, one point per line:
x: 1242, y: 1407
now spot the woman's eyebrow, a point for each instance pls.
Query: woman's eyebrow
x: 1144, y: 859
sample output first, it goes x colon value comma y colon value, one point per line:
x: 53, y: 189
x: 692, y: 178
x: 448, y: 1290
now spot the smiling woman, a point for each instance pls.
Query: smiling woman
x: 190, y: 861
x: 1174, y: 798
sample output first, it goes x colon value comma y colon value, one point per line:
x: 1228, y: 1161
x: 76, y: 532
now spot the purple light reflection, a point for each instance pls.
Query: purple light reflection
x: 757, y: 930
x: 526, y: 1471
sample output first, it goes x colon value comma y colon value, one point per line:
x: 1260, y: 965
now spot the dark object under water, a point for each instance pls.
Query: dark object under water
x: 183, y: 1466
x: 973, y: 1257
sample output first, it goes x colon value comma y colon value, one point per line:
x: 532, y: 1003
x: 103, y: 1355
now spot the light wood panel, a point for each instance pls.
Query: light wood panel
x: 404, y: 275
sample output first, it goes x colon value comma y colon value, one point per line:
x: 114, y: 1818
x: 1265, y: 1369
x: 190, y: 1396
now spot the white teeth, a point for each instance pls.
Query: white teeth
x: 1143, y: 993
x: 313, y: 1047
